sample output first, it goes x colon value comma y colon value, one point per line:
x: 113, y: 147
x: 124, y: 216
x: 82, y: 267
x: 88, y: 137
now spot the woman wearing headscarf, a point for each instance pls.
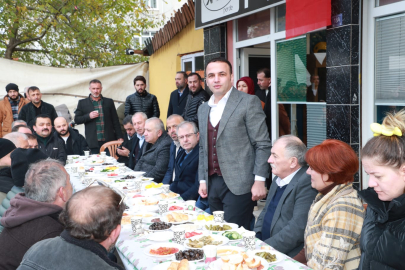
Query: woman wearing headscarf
x: 246, y: 85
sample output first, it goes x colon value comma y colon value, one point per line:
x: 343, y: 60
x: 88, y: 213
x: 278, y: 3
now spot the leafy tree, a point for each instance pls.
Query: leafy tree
x: 73, y: 33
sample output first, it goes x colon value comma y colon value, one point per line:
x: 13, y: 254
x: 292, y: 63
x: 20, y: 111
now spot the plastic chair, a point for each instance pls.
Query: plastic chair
x: 112, y: 148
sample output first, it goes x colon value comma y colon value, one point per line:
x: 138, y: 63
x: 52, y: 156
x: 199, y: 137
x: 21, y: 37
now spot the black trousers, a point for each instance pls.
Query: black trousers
x: 96, y: 151
x: 237, y: 208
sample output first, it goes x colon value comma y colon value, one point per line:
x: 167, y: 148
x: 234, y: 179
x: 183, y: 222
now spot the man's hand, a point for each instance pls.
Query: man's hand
x: 203, y: 190
x: 120, y: 140
x: 123, y: 152
x: 258, y: 190
x: 93, y: 114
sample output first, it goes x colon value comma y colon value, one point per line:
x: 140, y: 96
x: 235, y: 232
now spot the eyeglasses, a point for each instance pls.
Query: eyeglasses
x: 188, y: 136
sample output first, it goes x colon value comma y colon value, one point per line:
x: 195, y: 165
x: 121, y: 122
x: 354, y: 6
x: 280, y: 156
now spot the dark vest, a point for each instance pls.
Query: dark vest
x: 213, y: 165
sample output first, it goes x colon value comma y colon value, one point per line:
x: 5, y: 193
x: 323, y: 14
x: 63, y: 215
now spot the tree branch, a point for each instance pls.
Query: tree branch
x: 30, y: 50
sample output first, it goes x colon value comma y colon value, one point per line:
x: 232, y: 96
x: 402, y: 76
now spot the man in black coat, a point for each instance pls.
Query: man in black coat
x: 99, y: 116
x: 75, y: 143
x: 155, y: 159
x: 139, y: 145
x: 123, y: 151
x: 36, y: 107
x: 196, y: 97
x: 141, y: 100
x: 178, y: 98
x: 186, y: 164
x: 49, y: 142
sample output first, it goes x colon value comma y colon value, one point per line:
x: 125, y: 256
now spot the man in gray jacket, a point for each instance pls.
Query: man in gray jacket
x: 282, y: 222
x: 234, y: 147
x: 155, y: 159
x: 90, y: 233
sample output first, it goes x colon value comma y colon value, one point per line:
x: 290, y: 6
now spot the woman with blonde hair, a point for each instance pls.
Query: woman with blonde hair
x: 383, y: 158
x: 332, y: 234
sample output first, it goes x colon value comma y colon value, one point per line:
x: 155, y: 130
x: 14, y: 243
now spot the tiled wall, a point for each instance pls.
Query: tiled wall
x: 342, y: 83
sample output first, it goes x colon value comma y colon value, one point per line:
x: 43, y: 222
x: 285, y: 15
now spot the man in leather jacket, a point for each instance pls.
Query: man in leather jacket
x: 141, y: 100
x: 196, y: 97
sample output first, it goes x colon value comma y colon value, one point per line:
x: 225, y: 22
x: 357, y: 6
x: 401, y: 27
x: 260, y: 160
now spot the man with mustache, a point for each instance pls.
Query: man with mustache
x: 36, y: 107
x: 75, y: 143
x: 10, y: 106
x: 49, y: 142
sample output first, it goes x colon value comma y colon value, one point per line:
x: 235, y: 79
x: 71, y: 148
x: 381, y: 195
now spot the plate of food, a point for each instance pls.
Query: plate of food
x: 163, y: 250
x: 177, y: 207
x: 233, y: 236
x: 228, y: 250
x: 168, y: 196
x: 201, y: 241
x: 192, y: 255
x: 158, y: 226
x: 239, y: 261
x: 164, y: 236
x: 195, y: 233
x: 178, y: 217
x: 220, y: 227
x: 146, y: 216
x: 126, y: 218
x: 271, y: 256
x: 182, y: 265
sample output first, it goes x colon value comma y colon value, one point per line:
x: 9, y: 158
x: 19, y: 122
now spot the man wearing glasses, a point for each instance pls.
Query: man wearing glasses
x: 186, y: 164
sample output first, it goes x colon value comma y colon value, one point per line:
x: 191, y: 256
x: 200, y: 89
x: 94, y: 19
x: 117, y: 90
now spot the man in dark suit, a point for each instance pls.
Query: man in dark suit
x: 124, y: 151
x: 178, y: 98
x: 234, y: 146
x: 139, y: 145
x: 99, y: 116
x: 186, y: 164
x: 171, y: 125
x: 282, y: 222
x: 155, y: 159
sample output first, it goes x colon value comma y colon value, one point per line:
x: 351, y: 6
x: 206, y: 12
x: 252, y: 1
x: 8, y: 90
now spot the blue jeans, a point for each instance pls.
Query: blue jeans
x: 203, y: 205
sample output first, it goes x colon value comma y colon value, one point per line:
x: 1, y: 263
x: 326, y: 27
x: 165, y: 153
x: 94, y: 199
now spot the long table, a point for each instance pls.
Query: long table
x: 131, y: 247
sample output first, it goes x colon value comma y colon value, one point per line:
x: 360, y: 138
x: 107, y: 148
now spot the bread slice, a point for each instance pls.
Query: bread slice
x: 236, y: 259
x: 225, y: 259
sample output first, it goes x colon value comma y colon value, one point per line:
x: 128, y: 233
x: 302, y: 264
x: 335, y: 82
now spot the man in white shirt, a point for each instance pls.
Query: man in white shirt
x: 234, y: 146
x: 282, y: 222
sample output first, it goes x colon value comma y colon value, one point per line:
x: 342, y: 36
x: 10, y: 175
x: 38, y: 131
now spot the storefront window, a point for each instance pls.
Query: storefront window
x: 253, y: 26
x: 301, y: 85
x: 389, y: 65
x: 280, y: 18
x: 385, y: 2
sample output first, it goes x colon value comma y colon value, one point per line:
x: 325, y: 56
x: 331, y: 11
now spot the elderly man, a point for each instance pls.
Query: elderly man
x: 75, y: 143
x: 36, y: 107
x: 282, y: 222
x: 171, y: 124
x: 99, y: 116
x: 155, y: 159
x: 19, y: 139
x: 234, y: 147
x: 141, y: 100
x: 33, y: 215
x: 49, y: 142
x: 10, y: 106
x: 196, y: 97
x: 22, y: 129
x: 139, y: 146
x: 178, y: 98
x: 124, y: 151
x: 32, y: 141
x: 186, y: 164
x: 90, y: 233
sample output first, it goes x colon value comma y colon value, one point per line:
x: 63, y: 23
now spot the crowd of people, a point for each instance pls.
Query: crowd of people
x: 215, y: 149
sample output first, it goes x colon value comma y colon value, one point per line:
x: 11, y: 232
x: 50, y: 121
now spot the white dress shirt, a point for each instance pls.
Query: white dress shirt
x: 141, y: 140
x: 215, y: 116
x: 282, y: 182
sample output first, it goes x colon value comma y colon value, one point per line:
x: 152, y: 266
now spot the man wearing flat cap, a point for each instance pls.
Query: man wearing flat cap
x: 10, y: 106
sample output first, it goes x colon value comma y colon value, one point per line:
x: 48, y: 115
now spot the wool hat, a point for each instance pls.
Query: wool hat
x: 6, y: 146
x: 21, y: 159
x: 12, y: 86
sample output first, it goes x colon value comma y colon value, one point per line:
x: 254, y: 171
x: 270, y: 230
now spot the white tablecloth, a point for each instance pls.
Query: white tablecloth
x: 131, y: 247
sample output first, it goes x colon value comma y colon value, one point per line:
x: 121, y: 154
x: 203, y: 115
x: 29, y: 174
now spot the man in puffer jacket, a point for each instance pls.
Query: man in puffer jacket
x: 141, y: 100
x: 196, y: 97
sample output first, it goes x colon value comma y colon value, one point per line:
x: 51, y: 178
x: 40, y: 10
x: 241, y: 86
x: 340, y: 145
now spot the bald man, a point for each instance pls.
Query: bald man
x: 75, y: 144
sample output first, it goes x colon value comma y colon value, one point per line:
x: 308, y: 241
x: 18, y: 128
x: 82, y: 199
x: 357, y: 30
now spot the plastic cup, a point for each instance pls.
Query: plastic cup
x: 86, y: 153
x: 218, y: 216
x: 166, y: 188
x: 249, y: 240
x: 210, y: 252
x: 190, y: 205
x: 163, y: 207
x: 179, y: 235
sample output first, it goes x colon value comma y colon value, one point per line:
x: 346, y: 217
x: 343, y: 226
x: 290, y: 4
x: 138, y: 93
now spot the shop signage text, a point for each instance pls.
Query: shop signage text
x: 211, y: 12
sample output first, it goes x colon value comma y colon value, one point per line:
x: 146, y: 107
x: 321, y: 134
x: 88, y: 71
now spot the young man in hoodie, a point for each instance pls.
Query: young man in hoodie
x: 33, y: 215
